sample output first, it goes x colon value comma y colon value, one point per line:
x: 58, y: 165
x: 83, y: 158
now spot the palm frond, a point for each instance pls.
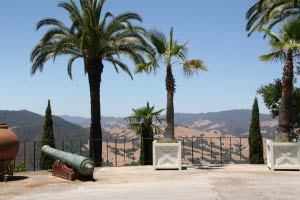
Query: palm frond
x: 93, y: 37
x: 142, y: 118
x: 158, y: 39
x: 122, y: 65
x: 70, y: 64
x: 137, y: 128
x: 156, y: 129
x: 171, y: 38
x: 147, y: 67
x: 52, y: 33
x: 73, y: 10
x: 51, y: 22
x: 271, y: 34
x: 128, y: 16
x: 179, y: 51
x: 273, y: 56
x: 98, y: 9
x: 191, y: 67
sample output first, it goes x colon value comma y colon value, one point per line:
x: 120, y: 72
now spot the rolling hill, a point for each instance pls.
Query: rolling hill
x: 29, y: 126
x: 230, y: 122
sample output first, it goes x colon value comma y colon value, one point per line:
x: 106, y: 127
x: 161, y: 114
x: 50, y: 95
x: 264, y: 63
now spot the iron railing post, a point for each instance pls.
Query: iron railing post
x: 80, y: 147
x: 240, y: 148
x: 62, y: 145
x: 34, y: 155
x: 221, y: 149
x: 192, y: 150
x: 124, y: 151
x: 132, y: 151
x: 210, y: 150
x: 71, y: 146
x: 116, y: 159
x: 230, y: 149
x: 24, y: 149
x: 183, y: 154
x: 107, y: 152
x: 202, y: 148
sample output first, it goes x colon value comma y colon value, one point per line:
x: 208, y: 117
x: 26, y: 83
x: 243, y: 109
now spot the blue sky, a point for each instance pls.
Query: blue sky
x: 216, y: 34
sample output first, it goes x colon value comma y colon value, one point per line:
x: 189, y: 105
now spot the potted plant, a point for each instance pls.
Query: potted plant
x: 141, y: 122
x: 280, y: 97
x: 169, y: 52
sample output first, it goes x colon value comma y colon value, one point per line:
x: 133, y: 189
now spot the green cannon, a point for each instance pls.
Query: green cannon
x: 67, y: 162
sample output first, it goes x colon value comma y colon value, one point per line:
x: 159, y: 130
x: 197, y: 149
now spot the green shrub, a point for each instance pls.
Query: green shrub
x: 19, y: 167
x: 255, y: 138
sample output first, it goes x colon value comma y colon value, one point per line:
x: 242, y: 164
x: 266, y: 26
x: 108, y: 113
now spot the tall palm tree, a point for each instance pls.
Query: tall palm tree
x: 285, y: 47
x: 270, y: 12
x: 170, y: 52
x: 97, y: 38
x: 141, y: 121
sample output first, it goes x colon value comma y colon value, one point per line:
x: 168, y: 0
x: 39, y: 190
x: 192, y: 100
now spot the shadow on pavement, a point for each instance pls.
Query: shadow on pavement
x: 14, y: 178
x: 209, y: 167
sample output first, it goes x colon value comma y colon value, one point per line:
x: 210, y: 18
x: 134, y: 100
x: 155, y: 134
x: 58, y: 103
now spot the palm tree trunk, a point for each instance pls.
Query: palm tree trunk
x: 285, y: 110
x: 170, y: 86
x: 148, y: 139
x: 94, y: 70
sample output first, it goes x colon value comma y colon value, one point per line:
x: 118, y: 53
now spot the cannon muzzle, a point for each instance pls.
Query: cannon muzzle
x: 83, y: 165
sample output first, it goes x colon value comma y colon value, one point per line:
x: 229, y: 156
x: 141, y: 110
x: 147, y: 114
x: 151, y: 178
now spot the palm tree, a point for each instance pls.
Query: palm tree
x: 270, y: 12
x: 95, y: 37
x: 285, y: 47
x: 170, y: 52
x: 141, y: 121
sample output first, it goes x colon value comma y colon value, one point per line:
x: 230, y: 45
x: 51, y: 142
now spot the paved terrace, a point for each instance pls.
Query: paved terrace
x: 223, y: 182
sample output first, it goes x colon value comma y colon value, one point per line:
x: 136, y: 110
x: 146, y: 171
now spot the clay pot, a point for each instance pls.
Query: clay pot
x: 9, y: 146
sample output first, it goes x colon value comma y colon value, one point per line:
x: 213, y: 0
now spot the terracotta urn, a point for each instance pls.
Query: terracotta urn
x: 9, y: 146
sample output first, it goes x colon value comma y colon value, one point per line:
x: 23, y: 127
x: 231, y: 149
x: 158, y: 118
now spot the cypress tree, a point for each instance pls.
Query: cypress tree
x: 255, y: 138
x: 47, y: 139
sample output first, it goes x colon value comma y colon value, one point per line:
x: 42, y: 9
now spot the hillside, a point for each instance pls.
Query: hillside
x: 85, y: 122
x: 231, y: 122
x: 29, y: 126
x: 234, y: 122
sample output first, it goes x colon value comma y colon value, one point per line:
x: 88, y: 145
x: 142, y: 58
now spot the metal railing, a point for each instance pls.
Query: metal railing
x: 126, y: 151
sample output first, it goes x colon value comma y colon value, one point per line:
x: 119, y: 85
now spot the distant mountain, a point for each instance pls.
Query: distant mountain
x: 85, y: 122
x: 29, y: 126
x: 77, y: 120
x: 232, y: 122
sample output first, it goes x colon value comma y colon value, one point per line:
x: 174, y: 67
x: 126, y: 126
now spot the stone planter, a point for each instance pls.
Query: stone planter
x: 283, y: 155
x: 167, y: 155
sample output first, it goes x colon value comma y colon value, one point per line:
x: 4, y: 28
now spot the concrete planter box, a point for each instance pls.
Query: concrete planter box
x: 283, y: 155
x: 167, y: 155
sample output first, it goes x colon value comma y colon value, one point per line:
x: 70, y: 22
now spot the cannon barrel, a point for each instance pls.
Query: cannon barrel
x: 83, y: 165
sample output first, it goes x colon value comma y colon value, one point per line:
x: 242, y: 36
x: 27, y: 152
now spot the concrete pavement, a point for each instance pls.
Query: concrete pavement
x: 223, y: 182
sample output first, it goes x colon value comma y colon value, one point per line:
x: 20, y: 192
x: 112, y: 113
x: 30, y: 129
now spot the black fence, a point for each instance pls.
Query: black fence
x: 125, y: 152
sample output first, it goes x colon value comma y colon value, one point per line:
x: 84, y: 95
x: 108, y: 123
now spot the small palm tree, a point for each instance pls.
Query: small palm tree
x: 271, y: 12
x: 96, y: 38
x: 170, y: 52
x: 141, y: 121
x: 285, y: 47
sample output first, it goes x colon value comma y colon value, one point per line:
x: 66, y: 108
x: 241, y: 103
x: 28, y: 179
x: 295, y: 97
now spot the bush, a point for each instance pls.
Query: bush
x: 255, y: 138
